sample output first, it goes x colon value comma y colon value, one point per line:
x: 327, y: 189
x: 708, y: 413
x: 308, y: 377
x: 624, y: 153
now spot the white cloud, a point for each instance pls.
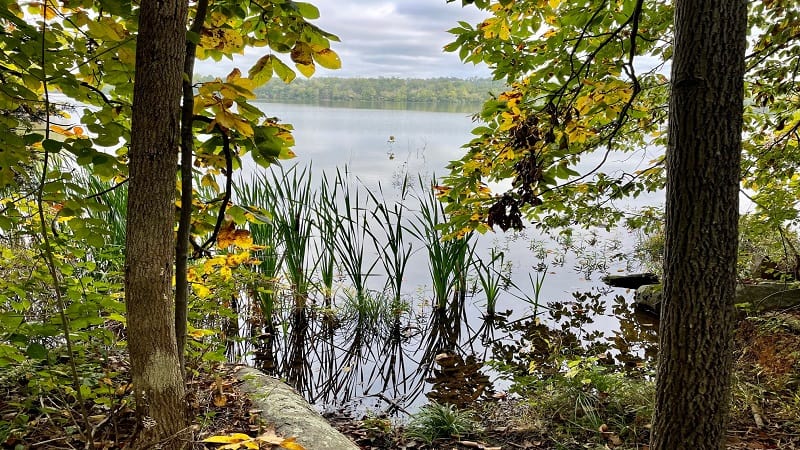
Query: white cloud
x: 384, y: 39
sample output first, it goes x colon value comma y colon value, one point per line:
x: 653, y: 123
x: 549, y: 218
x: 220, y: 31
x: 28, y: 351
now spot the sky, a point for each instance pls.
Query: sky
x: 382, y: 38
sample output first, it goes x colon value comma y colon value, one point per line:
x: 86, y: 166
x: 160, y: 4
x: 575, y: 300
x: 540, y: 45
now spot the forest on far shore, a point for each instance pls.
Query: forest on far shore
x: 433, y: 90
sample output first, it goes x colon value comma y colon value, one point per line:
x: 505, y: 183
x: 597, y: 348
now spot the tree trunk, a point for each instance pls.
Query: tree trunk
x: 150, y: 243
x: 703, y: 159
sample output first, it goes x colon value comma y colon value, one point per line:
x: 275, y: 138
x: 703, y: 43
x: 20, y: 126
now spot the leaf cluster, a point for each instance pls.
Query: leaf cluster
x: 589, y: 84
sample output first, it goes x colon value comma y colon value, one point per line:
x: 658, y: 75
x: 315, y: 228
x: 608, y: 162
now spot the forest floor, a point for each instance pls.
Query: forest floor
x: 765, y: 411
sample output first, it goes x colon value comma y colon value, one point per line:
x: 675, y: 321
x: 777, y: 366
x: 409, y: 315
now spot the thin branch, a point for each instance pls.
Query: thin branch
x: 622, y: 116
x: 226, y: 150
x: 106, y: 191
x: 50, y: 258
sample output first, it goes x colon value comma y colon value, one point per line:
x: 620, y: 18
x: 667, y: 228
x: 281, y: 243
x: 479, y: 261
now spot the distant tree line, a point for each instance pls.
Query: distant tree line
x: 435, y: 90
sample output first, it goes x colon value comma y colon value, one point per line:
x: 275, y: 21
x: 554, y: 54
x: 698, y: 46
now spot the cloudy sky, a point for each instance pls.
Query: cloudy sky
x: 381, y: 38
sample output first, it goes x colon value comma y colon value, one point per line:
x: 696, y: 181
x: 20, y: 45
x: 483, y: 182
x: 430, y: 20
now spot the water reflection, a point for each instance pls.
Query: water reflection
x: 438, y: 354
x: 445, y: 107
x: 390, y: 316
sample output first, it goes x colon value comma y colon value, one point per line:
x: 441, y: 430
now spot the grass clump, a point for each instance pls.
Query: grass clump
x: 437, y: 421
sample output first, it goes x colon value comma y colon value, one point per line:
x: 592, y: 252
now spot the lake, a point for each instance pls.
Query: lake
x: 423, y: 143
x: 391, y: 369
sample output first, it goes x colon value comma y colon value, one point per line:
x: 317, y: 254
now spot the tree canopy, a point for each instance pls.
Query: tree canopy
x: 588, y: 83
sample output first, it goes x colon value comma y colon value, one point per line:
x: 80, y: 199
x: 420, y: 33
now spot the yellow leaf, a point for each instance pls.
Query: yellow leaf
x: 243, y: 126
x: 239, y: 258
x: 234, y: 75
x: 553, y: 3
x: 306, y: 69
x: 201, y: 290
x: 327, y: 58
x: 289, y: 443
x: 224, y: 119
x: 229, y: 439
x: 505, y: 32
x: 201, y: 102
x: 127, y: 55
x: 217, y: 19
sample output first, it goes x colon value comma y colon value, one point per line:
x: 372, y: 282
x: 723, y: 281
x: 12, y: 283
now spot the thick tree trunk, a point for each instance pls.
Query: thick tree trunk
x: 150, y: 243
x: 703, y: 159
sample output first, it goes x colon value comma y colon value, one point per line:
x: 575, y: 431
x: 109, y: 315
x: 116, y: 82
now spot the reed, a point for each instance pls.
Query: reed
x: 327, y: 225
x: 448, y: 259
x: 394, y: 249
x: 352, y: 232
x: 491, y: 279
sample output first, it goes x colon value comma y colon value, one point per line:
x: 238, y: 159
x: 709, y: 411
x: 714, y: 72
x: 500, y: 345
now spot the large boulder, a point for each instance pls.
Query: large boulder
x: 290, y: 414
x: 756, y: 297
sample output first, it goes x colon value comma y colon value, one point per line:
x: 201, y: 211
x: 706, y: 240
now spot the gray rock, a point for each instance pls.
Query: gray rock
x: 758, y: 297
x: 290, y: 414
x: 630, y: 281
x: 648, y: 297
x: 768, y: 295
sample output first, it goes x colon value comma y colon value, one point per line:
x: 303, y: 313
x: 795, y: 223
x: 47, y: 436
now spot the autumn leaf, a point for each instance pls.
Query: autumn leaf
x: 220, y: 400
x: 233, y: 441
x: 229, y: 235
x: 326, y: 58
x: 301, y: 54
x: 306, y: 69
x: 269, y: 437
x: 289, y: 443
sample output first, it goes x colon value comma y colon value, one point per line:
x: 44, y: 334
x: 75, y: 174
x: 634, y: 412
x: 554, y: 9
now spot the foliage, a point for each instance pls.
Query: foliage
x: 587, y: 85
x: 65, y: 105
x: 434, y: 421
x: 759, y: 241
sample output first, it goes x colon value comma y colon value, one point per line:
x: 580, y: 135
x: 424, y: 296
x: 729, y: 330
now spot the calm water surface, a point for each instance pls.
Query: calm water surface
x: 380, y: 146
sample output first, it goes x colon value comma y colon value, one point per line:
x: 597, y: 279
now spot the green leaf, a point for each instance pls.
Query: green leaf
x: 283, y: 71
x: 261, y: 72
x: 52, y: 145
x: 307, y: 10
x: 193, y: 37
x: 36, y: 351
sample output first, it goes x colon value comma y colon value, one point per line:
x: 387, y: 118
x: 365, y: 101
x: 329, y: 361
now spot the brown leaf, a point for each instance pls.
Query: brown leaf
x: 220, y: 400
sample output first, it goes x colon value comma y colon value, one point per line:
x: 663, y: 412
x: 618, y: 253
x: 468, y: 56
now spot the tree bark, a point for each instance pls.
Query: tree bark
x: 150, y: 242
x: 703, y: 170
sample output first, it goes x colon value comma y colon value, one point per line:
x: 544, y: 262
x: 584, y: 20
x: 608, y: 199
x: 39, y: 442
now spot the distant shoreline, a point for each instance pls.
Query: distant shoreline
x: 409, y: 91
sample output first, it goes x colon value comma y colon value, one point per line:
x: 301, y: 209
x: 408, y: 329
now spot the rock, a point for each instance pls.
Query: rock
x: 768, y: 296
x: 758, y: 297
x: 630, y: 281
x: 648, y: 298
x: 290, y: 414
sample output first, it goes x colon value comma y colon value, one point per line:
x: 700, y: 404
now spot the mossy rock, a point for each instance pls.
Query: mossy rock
x: 290, y: 414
